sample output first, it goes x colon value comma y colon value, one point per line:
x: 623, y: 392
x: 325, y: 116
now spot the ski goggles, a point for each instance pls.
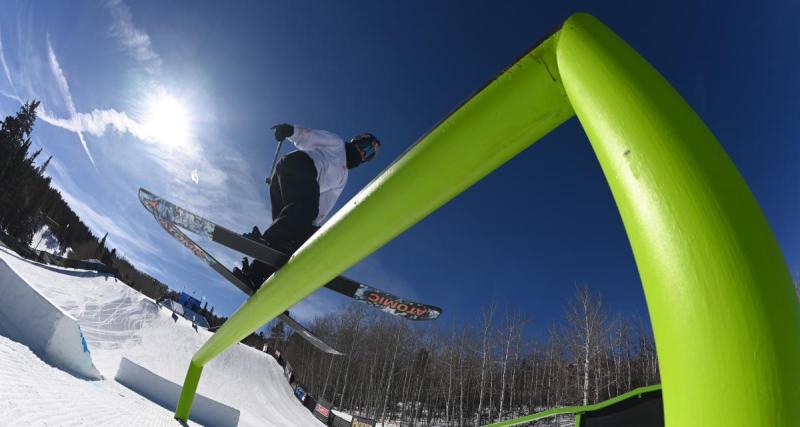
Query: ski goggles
x: 367, y: 145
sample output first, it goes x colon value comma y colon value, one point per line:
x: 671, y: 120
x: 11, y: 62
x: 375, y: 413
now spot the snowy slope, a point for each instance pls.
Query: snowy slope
x: 43, y: 326
x: 119, y: 322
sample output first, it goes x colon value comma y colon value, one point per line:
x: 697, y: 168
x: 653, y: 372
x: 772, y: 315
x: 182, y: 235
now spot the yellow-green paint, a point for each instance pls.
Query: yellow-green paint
x: 725, y: 317
x: 726, y: 321
x: 523, y: 104
x: 576, y: 410
x: 188, y: 391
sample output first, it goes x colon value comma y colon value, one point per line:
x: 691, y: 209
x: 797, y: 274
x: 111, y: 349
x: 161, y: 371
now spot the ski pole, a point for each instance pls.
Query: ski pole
x: 274, y: 161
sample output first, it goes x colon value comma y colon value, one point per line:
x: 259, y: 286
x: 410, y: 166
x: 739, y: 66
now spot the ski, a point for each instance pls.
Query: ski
x: 201, y: 253
x: 164, y: 210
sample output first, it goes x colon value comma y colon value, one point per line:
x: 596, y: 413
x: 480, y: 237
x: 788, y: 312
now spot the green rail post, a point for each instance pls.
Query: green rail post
x: 523, y: 104
x: 725, y: 318
x: 724, y: 314
x: 188, y: 391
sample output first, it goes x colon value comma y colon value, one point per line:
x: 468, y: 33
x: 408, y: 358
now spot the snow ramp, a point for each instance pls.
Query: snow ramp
x: 120, y: 323
x: 165, y: 393
x: 30, y: 318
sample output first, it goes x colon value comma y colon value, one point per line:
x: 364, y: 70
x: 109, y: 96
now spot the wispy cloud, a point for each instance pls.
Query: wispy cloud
x: 136, y: 41
x: 43, y: 77
x: 7, y: 73
x: 95, y: 123
x: 98, y: 122
x: 63, y: 87
x: 4, y: 63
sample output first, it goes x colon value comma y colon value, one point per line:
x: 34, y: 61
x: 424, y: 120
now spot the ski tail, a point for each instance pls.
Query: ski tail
x: 305, y: 333
x: 394, y: 305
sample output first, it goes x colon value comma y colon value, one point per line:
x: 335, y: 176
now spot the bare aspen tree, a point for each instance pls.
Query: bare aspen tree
x: 356, y: 323
x: 422, y: 366
x: 461, y: 377
x: 514, y: 325
x: 424, y: 375
x: 513, y: 377
x: 488, y: 315
x: 585, y: 319
x: 490, y: 406
x: 391, y: 370
x: 450, y: 365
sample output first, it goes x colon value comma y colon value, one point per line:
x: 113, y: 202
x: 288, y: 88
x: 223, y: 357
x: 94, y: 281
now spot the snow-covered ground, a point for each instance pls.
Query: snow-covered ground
x: 45, y: 240
x: 118, y: 322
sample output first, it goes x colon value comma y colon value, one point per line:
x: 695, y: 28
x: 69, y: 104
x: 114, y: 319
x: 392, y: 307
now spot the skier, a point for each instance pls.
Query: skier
x: 304, y: 188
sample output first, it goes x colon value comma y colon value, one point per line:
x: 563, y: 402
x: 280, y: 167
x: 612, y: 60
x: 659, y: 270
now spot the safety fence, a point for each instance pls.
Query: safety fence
x: 321, y: 408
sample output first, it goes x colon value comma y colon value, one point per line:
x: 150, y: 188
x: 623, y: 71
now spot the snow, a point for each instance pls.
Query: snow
x: 343, y: 415
x: 349, y: 418
x: 166, y: 393
x: 34, y: 393
x: 117, y: 322
x: 45, y: 240
x: 28, y: 316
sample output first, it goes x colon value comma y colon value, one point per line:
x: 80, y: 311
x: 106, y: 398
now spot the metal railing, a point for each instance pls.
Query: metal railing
x: 725, y: 318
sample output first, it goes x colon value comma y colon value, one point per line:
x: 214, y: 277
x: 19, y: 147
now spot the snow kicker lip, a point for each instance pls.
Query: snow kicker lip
x: 166, y: 393
x: 48, y: 330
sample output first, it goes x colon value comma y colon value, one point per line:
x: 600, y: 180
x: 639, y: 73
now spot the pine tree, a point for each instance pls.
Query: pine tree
x: 20, y: 182
x: 101, y: 247
x: 40, y: 170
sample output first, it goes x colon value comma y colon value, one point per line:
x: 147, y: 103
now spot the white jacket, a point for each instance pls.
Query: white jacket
x: 327, y: 151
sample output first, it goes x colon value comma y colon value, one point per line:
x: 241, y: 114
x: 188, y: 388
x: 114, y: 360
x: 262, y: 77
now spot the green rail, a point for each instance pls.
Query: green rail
x: 724, y: 314
x: 491, y: 128
x: 577, y: 410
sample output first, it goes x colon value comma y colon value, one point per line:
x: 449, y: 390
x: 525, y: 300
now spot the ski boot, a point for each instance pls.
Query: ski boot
x: 243, y: 273
x: 257, y: 273
x: 254, y: 234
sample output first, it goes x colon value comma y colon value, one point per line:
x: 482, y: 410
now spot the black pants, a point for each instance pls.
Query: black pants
x: 294, y: 192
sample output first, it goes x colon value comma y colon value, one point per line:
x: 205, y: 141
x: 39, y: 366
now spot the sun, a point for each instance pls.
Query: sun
x: 166, y: 121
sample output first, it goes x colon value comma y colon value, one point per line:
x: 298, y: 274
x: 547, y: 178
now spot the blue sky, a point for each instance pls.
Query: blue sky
x: 111, y: 73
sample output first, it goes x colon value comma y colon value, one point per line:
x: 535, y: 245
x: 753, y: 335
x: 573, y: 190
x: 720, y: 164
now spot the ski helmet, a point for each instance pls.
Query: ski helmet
x: 366, y: 145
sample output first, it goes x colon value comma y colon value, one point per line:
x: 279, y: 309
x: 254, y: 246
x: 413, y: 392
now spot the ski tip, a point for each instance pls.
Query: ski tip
x: 144, y: 194
x: 148, y: 200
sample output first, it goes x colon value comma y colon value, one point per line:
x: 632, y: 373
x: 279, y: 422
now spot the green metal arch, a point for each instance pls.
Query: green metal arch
x: 724, y: 314
x: 718, y: 290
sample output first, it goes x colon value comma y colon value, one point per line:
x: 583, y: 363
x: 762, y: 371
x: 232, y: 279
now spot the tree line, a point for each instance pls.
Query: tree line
x: 463, y: 374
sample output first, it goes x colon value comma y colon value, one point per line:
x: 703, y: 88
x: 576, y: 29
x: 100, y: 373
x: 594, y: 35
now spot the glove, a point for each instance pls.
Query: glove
x: 283, y: 131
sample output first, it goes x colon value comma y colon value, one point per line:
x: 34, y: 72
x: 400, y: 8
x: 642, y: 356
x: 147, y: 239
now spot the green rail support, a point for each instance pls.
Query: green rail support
x: 724, y: 314
x: 577, y: 410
